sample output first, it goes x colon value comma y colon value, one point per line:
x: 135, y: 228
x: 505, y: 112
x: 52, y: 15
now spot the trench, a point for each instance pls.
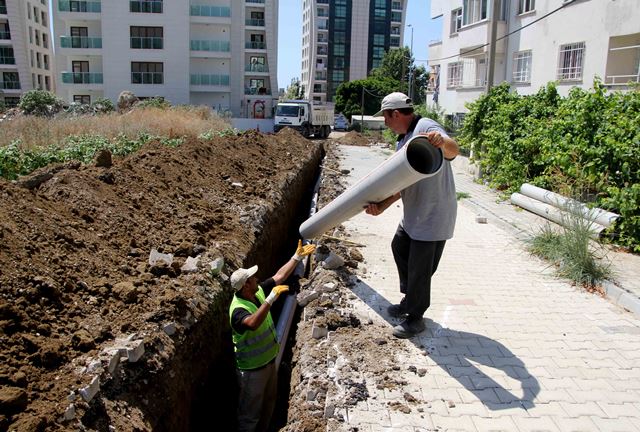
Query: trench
x: 197, y: 389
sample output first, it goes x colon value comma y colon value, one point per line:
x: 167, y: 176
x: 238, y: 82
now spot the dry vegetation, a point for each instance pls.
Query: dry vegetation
x: 175, y: 122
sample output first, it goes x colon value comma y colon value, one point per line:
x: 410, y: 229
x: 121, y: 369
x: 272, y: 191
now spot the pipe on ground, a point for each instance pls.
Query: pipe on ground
x: 417, y: 160
x: 550, y: 212
x: 597, y: 215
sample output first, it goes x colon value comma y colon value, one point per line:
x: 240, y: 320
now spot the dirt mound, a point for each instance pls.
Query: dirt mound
x: 75, y: 266
x: 354, y: 138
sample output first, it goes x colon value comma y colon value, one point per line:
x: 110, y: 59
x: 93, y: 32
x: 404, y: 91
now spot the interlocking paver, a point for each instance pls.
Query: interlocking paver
x: 509, y: 345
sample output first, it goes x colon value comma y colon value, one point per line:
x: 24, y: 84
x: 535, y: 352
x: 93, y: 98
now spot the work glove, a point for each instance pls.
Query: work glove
x: 303, y: 251
x: 275, y: 293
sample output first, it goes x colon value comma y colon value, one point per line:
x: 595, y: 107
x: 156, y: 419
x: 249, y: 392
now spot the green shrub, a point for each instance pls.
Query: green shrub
x: 3, y: 107
x: 585, y: 145
x: 155, y: 102
x: 40, y: 102
x: 103, y: 106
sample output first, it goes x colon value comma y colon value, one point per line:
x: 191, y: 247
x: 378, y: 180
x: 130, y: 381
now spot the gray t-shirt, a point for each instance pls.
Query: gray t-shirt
x: 430, y: 205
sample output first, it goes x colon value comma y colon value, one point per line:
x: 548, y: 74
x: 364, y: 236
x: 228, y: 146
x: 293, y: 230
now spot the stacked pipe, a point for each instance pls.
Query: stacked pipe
x: 558, y: 208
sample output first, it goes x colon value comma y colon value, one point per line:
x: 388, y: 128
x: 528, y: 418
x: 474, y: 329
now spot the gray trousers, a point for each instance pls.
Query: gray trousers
x: 257, y: 398
x: 416, y: 261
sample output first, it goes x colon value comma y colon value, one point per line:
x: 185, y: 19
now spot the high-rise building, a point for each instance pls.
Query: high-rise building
x: 568, y: 42
x: 343, y: 40
x: 219, y: 53
x: 25, y: 49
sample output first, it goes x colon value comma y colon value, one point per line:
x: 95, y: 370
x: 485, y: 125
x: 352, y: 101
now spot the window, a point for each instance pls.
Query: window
x: 381, y: 13
x: 522, y: 67
x: 525, y: 6
x: 378, y: 52
x: 338, y: 49
x: 79, y: 37
x: 36, y: 15
x: 337, y: 76
x: 43, y: 21
x: 146, y: 37
x: 38, y: 37
x: 340, y: 24
x: 46, y: 61
x: 147, y: 73
x: 39, y: 82
x: 10, y: 81
x: 145, y: 6
x: 473, y: 11
x: 80, y: 71
x: 47, y: 83
x: 570, y: 62
x: 454, y: 74
x: 456, y: 20
x: 39, y: 60
x: 82, y: 99
x: 340, y: 11
x: 45, y: 41
x: 378, y: 39
x: 338, y: 62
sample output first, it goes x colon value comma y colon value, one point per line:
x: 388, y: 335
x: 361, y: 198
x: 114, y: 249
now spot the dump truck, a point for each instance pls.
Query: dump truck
x: 305, y: 117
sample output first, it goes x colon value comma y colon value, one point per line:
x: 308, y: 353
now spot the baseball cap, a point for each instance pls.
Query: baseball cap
x: 394, y: 101
x: 240, y: 276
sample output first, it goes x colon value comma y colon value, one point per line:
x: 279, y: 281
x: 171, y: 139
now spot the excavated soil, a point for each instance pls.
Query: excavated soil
x: 76, y: 278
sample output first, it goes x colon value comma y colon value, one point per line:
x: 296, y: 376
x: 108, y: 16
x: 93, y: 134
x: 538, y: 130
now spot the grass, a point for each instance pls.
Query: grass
x: 571, y: 249
x: 33, y: 132
x: 462, y: 195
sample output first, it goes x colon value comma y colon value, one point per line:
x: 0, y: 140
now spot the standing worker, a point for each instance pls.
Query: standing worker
x: 255, y: 342
x: 429, y: 217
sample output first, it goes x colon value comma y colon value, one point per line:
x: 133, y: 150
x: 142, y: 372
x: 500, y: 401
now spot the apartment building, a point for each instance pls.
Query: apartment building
x: 343, y: 40
x: 583, y: 39
x: 219, y: 53
x: 25, y: 49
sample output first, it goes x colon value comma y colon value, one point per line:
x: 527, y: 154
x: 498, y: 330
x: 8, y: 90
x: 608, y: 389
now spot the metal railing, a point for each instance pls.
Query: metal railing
x: 257, y: 91
x: 256, y: 68
x: 255, y: 1
x: 5, y: 35
x: 254, y: 22
x: 621, y: 80
x: 255, y: 45
x: 82, y: 77
x: 209, y: 79
x: 80, y: 42
x: 147, y: 78
x: 210, y: 45
x: 210, y: 11
x: 3, y: 9
x: 10, y: 85
x: 147, y: 42
x: 79, y: 6
x: 7, y: 60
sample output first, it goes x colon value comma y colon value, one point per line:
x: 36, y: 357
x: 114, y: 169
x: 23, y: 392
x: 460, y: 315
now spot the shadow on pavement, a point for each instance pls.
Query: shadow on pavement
x: 457, y: 351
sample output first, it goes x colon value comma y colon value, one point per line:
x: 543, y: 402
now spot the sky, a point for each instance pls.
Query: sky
x: 425, y: 30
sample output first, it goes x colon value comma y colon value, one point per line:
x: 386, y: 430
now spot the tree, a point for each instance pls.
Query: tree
x: 294, y: 91
x: 399, y: 65
x: 349, y: 95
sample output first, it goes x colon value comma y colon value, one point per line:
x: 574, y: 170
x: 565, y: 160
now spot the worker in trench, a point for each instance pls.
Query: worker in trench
x: 255, y: 341
x: 429, y: 215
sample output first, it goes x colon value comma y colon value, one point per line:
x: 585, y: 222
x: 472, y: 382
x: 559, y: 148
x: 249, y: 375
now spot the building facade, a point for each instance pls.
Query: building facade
x: 26, y: 55
x: 571, y: 46
x: 343, y: 40
x: 219, y: 53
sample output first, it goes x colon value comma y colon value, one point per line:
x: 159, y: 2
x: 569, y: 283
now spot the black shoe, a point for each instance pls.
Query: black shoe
x: 397, y: 310
x: 408, y: 328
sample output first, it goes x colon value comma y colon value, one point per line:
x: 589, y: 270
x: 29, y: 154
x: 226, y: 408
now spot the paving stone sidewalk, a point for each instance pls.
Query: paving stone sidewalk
x: 508, y: 346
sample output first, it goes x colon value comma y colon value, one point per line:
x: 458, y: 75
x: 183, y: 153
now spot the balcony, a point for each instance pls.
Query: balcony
x: 209, y: 80
x: 5, y: 35
x: 396, y: 16
x: 10, y: 85
x: 210, y: 11
x: 210, y: 45
x: 137, y: 6
x: 82, y: 77
x: 8, y: 60
x: 3, y: 8
x: 256, y: 68
x: 257, y: 91
x: 255, y: 45
x: 322, y: 1
x: 79, y: 6
x: 147, y: 42
x: 255, y: 1
x: 80, y: 42
x: 254, y: 22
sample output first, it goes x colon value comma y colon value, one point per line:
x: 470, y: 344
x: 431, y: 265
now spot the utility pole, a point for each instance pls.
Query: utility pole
x: 362, y: 110
x: 495, y: 15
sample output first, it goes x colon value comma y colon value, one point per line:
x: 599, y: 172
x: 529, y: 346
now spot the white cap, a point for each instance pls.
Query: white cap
x: 394, y: 101
x: 240, y: 276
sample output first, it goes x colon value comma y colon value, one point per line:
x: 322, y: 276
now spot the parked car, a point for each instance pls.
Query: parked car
x: 340, y: 123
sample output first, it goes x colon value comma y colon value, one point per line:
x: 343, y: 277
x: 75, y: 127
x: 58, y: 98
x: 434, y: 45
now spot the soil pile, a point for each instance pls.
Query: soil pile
x: 354, y: 138
x: 91, y: 255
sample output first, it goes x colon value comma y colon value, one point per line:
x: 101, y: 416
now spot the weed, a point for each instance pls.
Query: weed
x: 462, y: 195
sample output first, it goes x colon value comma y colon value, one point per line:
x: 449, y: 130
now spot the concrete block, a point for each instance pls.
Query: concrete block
x: 156, y: 257
x: 328, y: 287
x: 91, y: 390
x: 169, y: 328
x: 318, y: 332
x: 135, y: 350
x: 306, y: 297
x: 112, y: 358
x: 216, y: 266
x: 333, y: 261
x: 70, y: 412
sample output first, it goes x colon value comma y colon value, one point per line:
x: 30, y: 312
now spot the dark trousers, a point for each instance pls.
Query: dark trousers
x: 417, y: 261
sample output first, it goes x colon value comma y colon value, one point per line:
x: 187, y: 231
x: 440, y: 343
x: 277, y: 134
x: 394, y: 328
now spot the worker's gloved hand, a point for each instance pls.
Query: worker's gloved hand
x: 275, y: 293
x: 303, y: 251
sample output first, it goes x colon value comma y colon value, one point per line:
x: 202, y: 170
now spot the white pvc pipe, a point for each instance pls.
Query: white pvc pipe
x: 598, y: 215
x: 550, y: 212
x: 417, y: 160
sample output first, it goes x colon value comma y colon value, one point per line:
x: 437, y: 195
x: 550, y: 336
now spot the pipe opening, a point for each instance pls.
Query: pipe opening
x: 422, y: 156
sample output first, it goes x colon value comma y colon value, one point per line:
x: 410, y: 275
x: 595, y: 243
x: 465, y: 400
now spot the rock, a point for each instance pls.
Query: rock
x: 82, y: 340
x: 356, y: 255
x: 12, y: 400
x: 190, y: 265
x: 126, y: 291
x: 481, y: 219
x: 169, y: 328
x: 91, y: 390
x: 216, y: 266
x: 156, y: 257
x: 70, y: 412
x: 103, y: 158
x: 333, y: 261
x: 126, y: 100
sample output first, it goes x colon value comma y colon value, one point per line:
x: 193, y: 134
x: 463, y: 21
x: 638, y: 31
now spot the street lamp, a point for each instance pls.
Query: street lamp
x: 411, y: 69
